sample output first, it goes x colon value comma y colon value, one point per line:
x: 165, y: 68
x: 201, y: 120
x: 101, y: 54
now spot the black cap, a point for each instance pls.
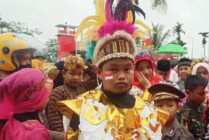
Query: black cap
x: 165, y: 91
x: 184, y: 62
x: 163, y: 65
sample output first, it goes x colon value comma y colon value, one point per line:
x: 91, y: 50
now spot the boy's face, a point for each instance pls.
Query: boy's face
x: 169, y: 105
x: 117, y: 75
x: 197, y: 96
x: 162, y: 73
x: 145, y: 67
x: 73, y: 77
x: 183, y: 72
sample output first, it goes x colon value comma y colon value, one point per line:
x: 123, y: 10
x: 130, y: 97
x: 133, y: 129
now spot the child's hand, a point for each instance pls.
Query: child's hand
x: 90, y: 70
x: 143, y: 81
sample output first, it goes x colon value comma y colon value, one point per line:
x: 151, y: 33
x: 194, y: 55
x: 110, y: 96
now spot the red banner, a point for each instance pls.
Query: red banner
x: 66, y: 43
x: 147, y: 42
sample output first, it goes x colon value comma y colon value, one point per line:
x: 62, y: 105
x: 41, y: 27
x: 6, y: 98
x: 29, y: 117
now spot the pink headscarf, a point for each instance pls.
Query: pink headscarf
x: 22, y: 92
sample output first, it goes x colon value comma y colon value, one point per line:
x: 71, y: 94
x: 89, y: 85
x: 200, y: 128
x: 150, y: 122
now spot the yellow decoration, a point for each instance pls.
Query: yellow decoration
x: 67, y: 107
x: 70, y: 135
x: 48, y: 84
x: 195, y: 61
x: 50, y: 70
x: 147, y: 96
x: 122, y: 122
x: 162, y: 115
x: 91, y: 24
x: 141, y: 34
x: 94, y: 115
x: 36, y: 64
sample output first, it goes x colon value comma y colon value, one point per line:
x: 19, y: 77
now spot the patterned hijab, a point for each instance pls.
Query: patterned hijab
x: 22, y: 92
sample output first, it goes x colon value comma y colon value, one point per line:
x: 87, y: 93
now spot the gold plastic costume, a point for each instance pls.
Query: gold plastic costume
x: 99, y: 117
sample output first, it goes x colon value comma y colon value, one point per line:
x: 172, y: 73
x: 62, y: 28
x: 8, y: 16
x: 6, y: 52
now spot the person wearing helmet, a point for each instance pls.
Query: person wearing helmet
x: 15, y: 53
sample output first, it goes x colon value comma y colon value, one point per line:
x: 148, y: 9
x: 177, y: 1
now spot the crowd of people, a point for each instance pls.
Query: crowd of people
x: 122, y: 94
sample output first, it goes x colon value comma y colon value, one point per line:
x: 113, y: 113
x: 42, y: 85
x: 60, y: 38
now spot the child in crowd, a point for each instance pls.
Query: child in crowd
x: 191, y: 114
x: 59, y: 81
x: 201, y: 68
x: 111, y: 112
x: 74, y: 85
x: 167, y: 97
x: 164, y: 69
x: 22, y: 95
x: 183, y: 72
x: 145, y: 72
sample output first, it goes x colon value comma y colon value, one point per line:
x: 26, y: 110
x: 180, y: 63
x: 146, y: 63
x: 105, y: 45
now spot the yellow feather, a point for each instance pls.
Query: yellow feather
x: 139, y: 22
x: 89, y: 22
x: 140, y: 33
x: 100, y: 8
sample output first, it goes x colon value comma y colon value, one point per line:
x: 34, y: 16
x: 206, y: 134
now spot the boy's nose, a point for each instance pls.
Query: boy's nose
x: 164, y: 108
x: 121, y: 76
x: 76, y: 76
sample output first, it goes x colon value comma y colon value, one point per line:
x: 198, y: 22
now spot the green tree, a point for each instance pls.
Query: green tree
x: 51, y: 56
x: 204, y: 35
x: 18, y: 27
x: 177, y: 30
x: 160, y: 5
x: 160, y: 36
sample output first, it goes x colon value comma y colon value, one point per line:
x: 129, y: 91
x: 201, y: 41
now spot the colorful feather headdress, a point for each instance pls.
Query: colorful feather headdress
x: 111, y: 33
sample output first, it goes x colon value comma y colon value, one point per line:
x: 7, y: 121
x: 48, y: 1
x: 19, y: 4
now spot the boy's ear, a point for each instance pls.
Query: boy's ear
x: 99, y: 71
x: 63, y: 72
x: 187, y: 92
x: 178, y: 108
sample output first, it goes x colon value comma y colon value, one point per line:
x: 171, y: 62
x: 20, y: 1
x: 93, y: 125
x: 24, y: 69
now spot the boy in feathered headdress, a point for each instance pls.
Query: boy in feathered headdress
x: 111, y: 112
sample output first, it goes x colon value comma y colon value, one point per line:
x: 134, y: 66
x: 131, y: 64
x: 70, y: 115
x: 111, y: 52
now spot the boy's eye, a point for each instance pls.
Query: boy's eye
x: 170, y: 105
x: 113, y: 69
x: 127, y: 69
x: 80, y: 74
x: 159, y: 106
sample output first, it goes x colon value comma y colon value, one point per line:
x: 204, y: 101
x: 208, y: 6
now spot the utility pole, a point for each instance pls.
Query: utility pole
x: 192, y: 46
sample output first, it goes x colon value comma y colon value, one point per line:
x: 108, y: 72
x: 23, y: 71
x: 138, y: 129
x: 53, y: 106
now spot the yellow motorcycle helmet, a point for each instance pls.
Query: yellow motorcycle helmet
x: 11, y: 43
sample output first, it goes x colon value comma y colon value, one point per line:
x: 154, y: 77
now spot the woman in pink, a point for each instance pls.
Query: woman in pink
x: 22, y: 95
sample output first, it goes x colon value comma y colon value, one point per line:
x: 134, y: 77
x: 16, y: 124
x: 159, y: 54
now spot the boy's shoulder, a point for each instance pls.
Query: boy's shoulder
x: 177, y: 131
x: 59, y: 89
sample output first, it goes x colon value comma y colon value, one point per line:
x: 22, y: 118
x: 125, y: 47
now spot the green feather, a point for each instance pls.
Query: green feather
x: 90, y: 46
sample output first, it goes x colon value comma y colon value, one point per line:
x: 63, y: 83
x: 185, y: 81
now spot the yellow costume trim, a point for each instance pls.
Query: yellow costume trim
x: 67, y: 107
x: 147, y: 96
x: 121, y: 123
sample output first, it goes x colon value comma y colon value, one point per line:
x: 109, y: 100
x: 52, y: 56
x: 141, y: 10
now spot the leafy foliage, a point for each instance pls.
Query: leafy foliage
x: 160, y: 36
x: 18, y: 27
x: 160, y: 5
x: 51, y: 56
x: 177, y: 30
x: 204, y: 35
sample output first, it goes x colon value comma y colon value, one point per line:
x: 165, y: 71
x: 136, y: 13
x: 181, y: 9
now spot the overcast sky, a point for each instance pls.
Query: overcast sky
x: 46, y: 14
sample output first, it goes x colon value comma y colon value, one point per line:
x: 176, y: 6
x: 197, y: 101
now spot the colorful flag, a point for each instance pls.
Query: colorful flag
x: 108, y: 76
